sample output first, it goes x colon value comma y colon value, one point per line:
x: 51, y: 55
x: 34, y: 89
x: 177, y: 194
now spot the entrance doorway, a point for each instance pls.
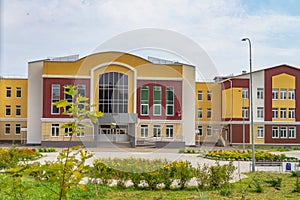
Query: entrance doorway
x: 117, y: 134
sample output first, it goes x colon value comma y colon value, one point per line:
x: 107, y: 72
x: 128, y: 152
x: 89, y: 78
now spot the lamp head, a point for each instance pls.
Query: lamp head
x: 244, y: 39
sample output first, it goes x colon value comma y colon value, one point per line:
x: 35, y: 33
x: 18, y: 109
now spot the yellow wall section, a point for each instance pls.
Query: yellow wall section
x: 13, y: 101
x: 115, y: 68
x: 283, y: 81
x: 83, y: 66
x: 233, y: 102
x: 209, y: 139
x: 12, y: 135
x: 46, y: 133
x: 177, y: 130
x: 214, y: 104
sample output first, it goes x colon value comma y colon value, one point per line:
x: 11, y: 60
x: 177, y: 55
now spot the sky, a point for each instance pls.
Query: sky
x: 33, y: 29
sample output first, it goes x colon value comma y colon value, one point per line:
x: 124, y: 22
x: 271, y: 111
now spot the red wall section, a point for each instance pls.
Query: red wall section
x: 269, y: 73
x: 236, y: 83
x: 164, y: 83
x: 237, y: 133
x: 269, y: 139
x: 47, y: 86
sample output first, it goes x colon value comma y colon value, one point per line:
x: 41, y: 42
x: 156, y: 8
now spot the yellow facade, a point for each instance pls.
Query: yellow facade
x: 283, y: 81
x: 176, y: 127
x: 46, y: 133
x: 13, y: 101
x: 232, y: 103
x: 213, y: 104
x: 82, y: 67
x: 257, y: 140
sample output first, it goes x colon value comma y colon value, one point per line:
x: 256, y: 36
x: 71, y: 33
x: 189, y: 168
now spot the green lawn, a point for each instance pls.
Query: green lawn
x: 39, y: 191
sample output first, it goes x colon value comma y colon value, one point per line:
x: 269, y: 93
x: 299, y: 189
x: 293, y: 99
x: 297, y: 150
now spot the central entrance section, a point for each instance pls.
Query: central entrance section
x: 117, y: 134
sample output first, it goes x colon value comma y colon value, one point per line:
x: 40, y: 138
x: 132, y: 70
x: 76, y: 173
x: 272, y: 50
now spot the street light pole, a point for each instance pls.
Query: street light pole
x: 251, y: 104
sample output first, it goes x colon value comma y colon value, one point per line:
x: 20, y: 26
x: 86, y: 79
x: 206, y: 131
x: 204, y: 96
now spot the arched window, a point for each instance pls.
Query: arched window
x: 113, y: 92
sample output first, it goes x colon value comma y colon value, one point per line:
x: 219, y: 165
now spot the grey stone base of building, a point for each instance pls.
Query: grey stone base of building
x: 11, y: 142
x: 171, y: 145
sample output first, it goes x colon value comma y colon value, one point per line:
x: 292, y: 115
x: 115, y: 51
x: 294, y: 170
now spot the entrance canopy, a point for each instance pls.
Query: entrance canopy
x: 119, y: 118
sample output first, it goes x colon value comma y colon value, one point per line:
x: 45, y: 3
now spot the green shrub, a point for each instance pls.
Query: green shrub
x: 276, y: 183
x: 181, y: 150
x: 226, y: 191
x: 258, y: 188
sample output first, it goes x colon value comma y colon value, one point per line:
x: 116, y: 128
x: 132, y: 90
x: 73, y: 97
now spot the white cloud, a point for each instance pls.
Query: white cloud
x: 37, y: 29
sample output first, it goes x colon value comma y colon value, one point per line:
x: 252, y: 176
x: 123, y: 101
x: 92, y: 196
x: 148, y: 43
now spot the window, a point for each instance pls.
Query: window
x: 274, y: 112
x: 274, y: 94
x: 144, y: 100
x: 18, y: 110
x: 82, y: 92
x: 291, y: 94
x: 18, y: 92
x: 156, y: 130
x: 282, y: 94
x: 209, y: 131
x: 283, y: 132
x: 169, y: 131
x: 7, y: 110
x: 209, y: 95
x: 260, y: 93
x: 68, y: 132
x: 208, y: 113
x: 144, y: 131
x: 291, y: 113
x: 245, y: 93
x: 7, y: 129
x: 170, y: 101
x: 55, y: 96
x: 8, y: 92
x: 18, y: 129
x: 275, y: 132
x: 68, y: 98
x: 54, y: 130
x: 260, y: 112
x: 157, y: 101
x: 113, y: 92
x: 283, y: 113
x: 199, y: 113
x: 292, y: 132
x: 260, y: 132
x: 200, y: 131
x: 199, y: 95
x: 81, y: 131
x: 244, y: 112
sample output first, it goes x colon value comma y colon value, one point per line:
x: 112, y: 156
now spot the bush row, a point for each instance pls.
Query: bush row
x: 246, y: 155
x: 159, y: 173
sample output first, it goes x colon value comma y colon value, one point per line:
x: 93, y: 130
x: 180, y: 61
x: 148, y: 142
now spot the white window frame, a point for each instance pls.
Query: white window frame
x: 283, y: 93
x: 209, y: 95
x: 275, y: 94
x: 292, y: 113
x: 291, y: 94
x: 7, y: 127
x: 8, y: 109
x: 82, y: 91
x: 200, y: 131
x: 245, y: 93
x: 156, y: 130
x: 209, y: 113
x: 169, y: 131
x: 245, y: 112
x: 8, y: 91
x: 18, y: 109
x: 260, y: 132
x: 81, y: 133
x: 283, y: 132
x: 144, y: 131
x: 274, y: 113
x: 260, y: 93
x: 292, y: 130
x: 200, y: 94
x: 55, y: 128
x: 18, y: 90
x: 147, y: 109
x: 209, y: 132
x: 170, y: 104
x: 260, y: 112
x: 18, y: 129
x: 275, y: 129
x: 54, y: 100
x: 67, y: 132
x: 283, y: 113
x: 200, y: 113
